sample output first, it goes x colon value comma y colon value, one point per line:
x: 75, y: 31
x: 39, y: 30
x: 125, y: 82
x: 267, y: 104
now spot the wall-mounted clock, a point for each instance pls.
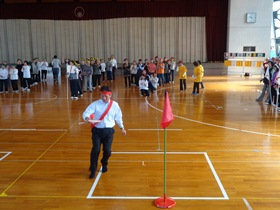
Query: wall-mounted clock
x: 251, y: 17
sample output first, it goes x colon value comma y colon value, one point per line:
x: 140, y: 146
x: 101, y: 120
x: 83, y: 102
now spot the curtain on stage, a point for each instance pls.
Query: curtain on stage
x: 181, y: 37
x: 79, y: 29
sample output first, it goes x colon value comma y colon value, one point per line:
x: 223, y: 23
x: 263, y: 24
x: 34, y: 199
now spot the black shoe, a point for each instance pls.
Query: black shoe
x: 104, y: 169
x: 92, y: 175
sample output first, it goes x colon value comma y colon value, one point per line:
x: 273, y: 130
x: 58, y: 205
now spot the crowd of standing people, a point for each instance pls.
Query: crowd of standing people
x: 150, y: 74
x: 22, y: 75
x: 90, y: 73
x: 271, y: 82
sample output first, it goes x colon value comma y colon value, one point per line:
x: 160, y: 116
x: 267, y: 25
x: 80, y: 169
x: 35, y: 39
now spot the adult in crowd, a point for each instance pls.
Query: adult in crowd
x: 126, y: 73
x: 44, y: 69
x: 72, y: 72
x: 87, y: 73
x: 55, y: 67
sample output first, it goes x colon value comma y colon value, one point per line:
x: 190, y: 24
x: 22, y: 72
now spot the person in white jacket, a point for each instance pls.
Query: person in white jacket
x: 133, y: 73
x: 4, y: 82
x: 44, y: 69
x: 26, y: 76
x: 144, y: 86
x: 14, y: 78
x: 154, y: 82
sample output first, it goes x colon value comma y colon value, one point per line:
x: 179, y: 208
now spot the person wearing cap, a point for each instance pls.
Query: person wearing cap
x: 103, y: 131
x: 182, y: 70
x: 14, y: 78
x: 4, y: 82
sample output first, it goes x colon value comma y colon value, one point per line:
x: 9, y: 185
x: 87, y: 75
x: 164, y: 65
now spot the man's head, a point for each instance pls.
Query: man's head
x: 105, y: 93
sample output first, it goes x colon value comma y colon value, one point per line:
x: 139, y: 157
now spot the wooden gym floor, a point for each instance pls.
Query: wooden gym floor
x: 223, y: 149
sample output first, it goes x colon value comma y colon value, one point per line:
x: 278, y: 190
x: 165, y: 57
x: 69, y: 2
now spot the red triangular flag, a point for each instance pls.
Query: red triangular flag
x: 167, y: 115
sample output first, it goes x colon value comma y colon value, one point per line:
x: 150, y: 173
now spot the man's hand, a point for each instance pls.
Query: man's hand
x: 123, y: 132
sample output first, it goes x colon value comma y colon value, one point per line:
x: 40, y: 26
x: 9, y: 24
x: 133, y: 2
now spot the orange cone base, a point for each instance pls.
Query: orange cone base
x: 165, y: 203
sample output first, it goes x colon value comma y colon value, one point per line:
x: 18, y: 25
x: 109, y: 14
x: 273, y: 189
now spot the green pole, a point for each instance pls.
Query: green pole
x: 164, y: 179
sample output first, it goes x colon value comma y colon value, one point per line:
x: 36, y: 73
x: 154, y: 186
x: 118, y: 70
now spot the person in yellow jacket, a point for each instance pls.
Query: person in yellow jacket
x: 182, y: 70
x: 202, y: 70
x: 197, y: 75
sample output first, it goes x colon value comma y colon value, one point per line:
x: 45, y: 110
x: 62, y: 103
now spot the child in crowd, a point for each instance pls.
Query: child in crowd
x: 154, y: 82
x: 26, y: 76
x: 14, y: 78
x: 103, y: 70
x: 182, y: 76
x: 144, y: 86
x: 4, y: 78
x: 72, y: 72
x: 197, y: 75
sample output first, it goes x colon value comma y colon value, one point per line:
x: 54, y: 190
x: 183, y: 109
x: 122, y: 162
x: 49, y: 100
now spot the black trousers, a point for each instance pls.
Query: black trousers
x: 103, y: 76
x: 114, y: 69
x: 26, y: 82
x: 127, y: 81
x: 96, y: 80
x: 196, y: 87
x: 133, y: 79
x: 183, y: 84
x: 101, y: 136
x: 145, y: 92
x: 44, y: 74
x: 202, y: 85
x: 14, y: 85
x: 5, y: 83
x: 74, y: 87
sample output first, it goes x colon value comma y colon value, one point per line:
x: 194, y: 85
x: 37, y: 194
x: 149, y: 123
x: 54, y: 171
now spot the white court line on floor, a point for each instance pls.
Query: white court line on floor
x: 95, y: 183
x: 247, y: 204
x: 225, y: 196
x: 152, y: 129
x: 214, y: 125
x: 7, y: 153
x: 31, y: 129
x: 153, y: 198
